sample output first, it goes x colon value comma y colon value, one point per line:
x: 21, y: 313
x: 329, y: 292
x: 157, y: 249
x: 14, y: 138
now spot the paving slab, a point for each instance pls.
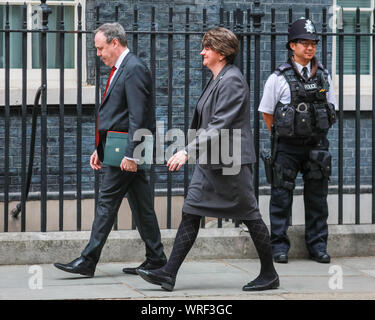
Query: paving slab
x: 220, y: 279
x: 318, y: 284
x: 357, y: 262
x: 104, y: 291
x: 328, y: 296
x: 294, y: 267
x: 369, y: 272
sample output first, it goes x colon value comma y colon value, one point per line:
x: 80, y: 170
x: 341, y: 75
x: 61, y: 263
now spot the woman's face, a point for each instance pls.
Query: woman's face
x: 211, y: 57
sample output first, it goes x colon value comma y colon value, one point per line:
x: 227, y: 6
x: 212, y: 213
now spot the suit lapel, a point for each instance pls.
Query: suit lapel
x: 118, y: 74
x: 217, y: 80
x: 196, y: 117
x: 204, y: 89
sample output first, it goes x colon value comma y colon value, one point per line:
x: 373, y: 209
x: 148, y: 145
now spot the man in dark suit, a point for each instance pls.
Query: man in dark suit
x: 126, y: 107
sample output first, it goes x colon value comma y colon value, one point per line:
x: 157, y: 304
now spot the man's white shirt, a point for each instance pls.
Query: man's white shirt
x: 117, y: 65
x: 119, y: 61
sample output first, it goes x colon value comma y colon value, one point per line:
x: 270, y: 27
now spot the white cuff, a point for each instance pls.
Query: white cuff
x: 136, y: 160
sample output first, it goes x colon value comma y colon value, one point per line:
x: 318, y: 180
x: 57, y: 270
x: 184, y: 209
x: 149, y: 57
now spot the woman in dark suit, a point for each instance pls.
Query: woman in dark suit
x: 219, y: 189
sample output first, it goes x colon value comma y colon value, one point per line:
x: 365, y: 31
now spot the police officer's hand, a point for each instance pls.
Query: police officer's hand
x: 95, y: 162
x: 268, y: 119
x: 177, y: 161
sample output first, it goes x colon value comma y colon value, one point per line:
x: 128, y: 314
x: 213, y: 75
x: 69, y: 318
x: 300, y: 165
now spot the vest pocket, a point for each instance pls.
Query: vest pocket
x: 284, y: 121
x: 331, y: 114
x: 303, y: 124
x: 321, y: 118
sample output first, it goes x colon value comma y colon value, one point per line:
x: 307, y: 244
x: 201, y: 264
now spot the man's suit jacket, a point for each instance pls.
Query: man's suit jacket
x: 127, y: 105
x: 226, y: 106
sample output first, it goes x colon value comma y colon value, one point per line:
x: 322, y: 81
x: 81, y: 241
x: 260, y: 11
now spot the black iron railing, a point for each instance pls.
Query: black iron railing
x: 251, y: 32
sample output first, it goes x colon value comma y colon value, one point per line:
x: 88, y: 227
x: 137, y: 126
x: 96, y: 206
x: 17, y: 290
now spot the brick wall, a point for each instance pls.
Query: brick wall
x: 70, y: 151
x: 126, y: 15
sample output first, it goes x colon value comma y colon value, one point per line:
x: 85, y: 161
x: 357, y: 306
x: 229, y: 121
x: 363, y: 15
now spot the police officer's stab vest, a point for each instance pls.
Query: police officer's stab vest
x: 308, y: 115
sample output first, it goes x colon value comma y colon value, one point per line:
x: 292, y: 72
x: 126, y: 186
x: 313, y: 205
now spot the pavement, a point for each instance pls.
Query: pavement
x: 216, y: 279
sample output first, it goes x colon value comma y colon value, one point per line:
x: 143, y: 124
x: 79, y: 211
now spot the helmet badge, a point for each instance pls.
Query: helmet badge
x: 309, y: 26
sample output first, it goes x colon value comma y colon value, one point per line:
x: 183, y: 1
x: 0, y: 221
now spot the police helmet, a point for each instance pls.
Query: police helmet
x: 302, y: 29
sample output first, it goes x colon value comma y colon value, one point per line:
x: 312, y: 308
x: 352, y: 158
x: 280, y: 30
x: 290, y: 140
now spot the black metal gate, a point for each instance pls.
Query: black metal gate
x: 248, y: 26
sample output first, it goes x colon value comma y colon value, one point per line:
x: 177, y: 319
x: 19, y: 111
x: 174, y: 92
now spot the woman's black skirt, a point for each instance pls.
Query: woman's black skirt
x: 213, y: 194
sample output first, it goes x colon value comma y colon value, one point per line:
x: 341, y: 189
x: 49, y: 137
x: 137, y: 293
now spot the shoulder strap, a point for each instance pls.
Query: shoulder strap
x: 293, y: 82
x: 320, y: 67
x: 282, y: 68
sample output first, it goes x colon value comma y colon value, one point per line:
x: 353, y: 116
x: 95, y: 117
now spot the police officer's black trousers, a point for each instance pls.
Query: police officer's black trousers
x: 291, y: 159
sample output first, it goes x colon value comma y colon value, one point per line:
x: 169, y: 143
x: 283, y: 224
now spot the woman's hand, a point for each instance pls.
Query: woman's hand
x: 177, y: 161
x: 128, y: 165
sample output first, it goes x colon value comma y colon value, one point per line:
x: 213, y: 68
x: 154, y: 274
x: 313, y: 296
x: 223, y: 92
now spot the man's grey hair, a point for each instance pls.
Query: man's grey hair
x: 113, y: 31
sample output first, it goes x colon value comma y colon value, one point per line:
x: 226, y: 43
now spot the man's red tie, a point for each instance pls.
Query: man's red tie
x: 105, y: 92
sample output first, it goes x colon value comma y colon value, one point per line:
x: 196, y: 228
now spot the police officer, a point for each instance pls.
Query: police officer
x: 298, y: 106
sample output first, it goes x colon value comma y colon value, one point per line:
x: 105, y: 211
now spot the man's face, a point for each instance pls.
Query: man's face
x: 304, y: 49
x: 106, y: 51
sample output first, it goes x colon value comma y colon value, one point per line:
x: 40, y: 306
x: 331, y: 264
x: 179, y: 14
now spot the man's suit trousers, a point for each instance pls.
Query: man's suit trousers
x: 115, y: 184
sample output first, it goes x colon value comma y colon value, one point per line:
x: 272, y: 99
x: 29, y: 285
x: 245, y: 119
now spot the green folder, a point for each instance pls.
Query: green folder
x: 115, y: 147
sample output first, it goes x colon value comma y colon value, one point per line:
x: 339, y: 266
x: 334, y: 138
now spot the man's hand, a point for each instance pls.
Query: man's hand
x: 177, y: 161
x: 95, y: 162
x: 128, y: 165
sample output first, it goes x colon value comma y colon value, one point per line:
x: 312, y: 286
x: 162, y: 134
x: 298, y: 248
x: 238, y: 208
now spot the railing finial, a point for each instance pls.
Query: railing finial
x: 257, y: 14
x: 46, y: 10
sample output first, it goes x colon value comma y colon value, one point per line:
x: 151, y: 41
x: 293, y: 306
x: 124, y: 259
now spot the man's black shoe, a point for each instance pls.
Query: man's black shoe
x: 280, y: 257
x: 321, y: 257
x: 254, y: 286
x: 79, y: 265
x: 166, y: 282
x: 146, y: 265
